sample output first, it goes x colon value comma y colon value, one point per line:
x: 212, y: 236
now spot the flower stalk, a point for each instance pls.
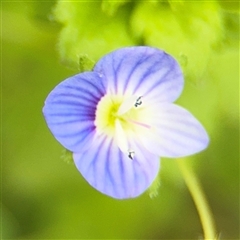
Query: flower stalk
x: 199, y: 199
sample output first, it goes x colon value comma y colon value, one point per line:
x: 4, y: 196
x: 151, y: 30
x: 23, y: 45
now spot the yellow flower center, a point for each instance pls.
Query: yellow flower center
x: 117, y: 116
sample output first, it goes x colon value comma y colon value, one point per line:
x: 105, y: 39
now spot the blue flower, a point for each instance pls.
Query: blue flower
x: 119, y: 119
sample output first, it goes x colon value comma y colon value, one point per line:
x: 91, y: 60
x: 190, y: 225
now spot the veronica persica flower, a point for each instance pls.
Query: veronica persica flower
x: 119, y: 119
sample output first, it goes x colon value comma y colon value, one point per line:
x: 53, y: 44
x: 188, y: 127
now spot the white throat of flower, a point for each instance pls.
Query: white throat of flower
x: 119, y: 117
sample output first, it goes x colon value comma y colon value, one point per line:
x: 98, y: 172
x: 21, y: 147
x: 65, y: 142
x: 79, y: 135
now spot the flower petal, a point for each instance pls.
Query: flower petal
x: 142, y: 71
x: 113, y: 172
x: 126, y: 105
x: 70, y: 110
x: 120, y: 137
x: 175, y: 132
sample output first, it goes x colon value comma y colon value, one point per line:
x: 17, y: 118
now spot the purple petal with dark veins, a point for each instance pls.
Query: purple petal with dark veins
x: 113, y: 172
x: 142, y: 71
x: 70, y: 110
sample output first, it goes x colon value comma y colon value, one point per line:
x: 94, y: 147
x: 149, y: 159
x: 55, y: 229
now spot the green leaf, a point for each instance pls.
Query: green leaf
x: 67, y: 156
x: 154, y: 188
x: 85, y: 63
x: 187, y: 30
x: 230, y: 6
x: 231, y: 22
x: 110, y: 7
x: 88, y: 30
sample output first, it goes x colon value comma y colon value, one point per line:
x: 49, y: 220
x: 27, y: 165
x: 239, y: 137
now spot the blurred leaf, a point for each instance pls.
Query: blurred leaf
x: 110, y: 7
x: 85, y: 63
x: 10, y: 228
x: 81, y: 35
x: 220, y: 176
x: 154, y: 188
x: 28, y: 34
x: 42, y: 10
x: 183, y: 29
x: 67, y: 156
x: 232, y: 27
x: 229, y: 5
x: 225, y: 70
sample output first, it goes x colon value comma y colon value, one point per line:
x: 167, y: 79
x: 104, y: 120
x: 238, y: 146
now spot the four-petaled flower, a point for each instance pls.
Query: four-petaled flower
x: 119, y: 119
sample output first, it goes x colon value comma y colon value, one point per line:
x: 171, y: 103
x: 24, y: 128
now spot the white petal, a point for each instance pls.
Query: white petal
x: 174, y: 133
x: 127, y: 104
x: 120, y: 137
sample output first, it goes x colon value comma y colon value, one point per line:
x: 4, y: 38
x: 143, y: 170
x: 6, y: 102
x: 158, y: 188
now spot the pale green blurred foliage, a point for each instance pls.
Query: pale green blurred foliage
x: 44, y: 197
x: 190, y: 31
x: 110, y: 7
x: 88, y: 30
x: 186, y: 30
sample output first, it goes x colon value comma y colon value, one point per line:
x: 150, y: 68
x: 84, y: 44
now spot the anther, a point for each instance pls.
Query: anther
x: 138, y: 101
x: 131, y: 154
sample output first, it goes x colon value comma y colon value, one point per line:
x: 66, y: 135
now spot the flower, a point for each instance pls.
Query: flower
x: 119, y: 119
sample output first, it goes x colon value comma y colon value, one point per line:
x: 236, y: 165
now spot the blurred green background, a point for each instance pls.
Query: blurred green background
x: 43, y: 196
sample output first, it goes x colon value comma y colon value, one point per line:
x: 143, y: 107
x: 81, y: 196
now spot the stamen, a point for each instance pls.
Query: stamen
x: 139, y: 123
x: 138, y: 101
x: 117, y: 117
x: 121, y: 137
x: 131, y: 154
x: 126, y: 105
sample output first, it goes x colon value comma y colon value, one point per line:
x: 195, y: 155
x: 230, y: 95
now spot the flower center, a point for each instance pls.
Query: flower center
x: 118, y: 116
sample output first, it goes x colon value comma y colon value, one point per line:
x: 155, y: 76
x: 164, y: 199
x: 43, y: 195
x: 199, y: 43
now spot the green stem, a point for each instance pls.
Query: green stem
x: 199, y: 199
